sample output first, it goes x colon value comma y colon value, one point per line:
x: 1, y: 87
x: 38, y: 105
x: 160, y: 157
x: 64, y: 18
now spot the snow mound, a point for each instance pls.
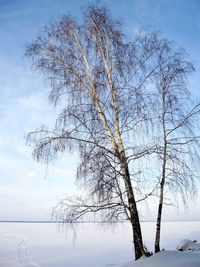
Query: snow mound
x: 188, y: 245
x: 168, y: 259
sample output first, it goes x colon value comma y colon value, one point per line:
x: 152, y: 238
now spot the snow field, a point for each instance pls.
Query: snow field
x: 41, y: 245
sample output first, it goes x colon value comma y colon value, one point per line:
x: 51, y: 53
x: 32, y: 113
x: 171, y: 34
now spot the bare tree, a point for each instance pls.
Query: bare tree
x: 101, y: 81
x: 177, y: 130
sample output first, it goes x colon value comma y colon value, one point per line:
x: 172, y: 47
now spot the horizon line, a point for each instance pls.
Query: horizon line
x: 50, y: 221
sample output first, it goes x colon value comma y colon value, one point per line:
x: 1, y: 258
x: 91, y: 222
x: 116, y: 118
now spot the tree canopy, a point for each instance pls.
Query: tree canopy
x: 123, y: 102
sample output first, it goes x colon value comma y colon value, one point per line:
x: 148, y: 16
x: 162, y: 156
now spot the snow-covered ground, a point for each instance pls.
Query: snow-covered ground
x: 168, y: 259
x: 41, y: 245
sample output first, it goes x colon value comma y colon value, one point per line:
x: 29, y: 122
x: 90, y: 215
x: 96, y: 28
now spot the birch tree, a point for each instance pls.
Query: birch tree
x: 178, y: 131
x: 100, y: 82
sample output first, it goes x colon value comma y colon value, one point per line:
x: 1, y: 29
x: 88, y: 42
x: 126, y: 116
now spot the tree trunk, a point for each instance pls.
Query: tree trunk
x: 158, y: 224
x: 161, y: 198
x: 159, y: 215
x: 137, y: 234
x: 162, y: 183
x: 134, y: 217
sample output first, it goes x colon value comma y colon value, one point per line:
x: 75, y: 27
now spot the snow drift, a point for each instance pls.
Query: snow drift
x: 168, y: 259
x: 188, y: 245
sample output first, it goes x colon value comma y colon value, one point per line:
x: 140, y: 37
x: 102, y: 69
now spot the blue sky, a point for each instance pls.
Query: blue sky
x: 26, y: 191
